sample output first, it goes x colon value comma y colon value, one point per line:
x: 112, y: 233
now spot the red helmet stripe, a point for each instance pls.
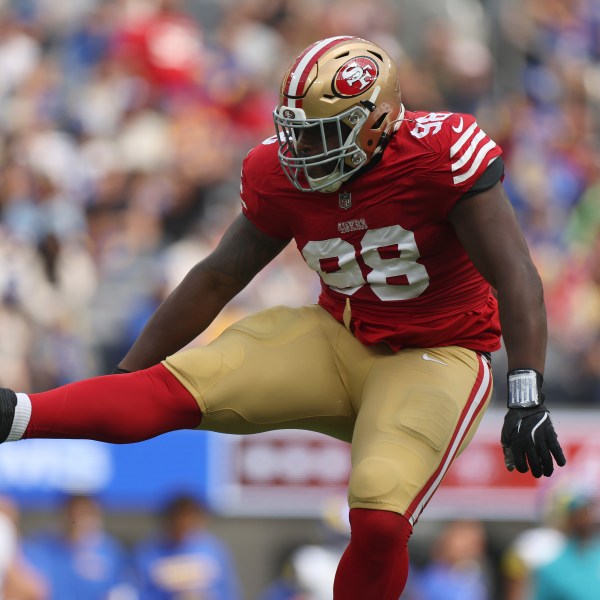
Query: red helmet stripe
x: 296, y: 80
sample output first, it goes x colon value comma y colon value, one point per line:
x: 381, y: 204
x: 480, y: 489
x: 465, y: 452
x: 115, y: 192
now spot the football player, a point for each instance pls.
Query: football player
x: 403, y: 217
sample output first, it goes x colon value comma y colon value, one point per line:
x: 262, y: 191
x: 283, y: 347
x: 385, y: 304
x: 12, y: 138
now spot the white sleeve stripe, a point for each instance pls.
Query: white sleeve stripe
x: 469, y: 152
x: 475, y: 164
x: 463, y: 139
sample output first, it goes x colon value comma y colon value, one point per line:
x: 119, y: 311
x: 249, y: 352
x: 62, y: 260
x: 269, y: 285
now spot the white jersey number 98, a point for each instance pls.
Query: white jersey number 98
x: 390, y: 252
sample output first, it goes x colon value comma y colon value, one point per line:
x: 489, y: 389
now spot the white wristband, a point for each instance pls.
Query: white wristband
x: 523, y: 389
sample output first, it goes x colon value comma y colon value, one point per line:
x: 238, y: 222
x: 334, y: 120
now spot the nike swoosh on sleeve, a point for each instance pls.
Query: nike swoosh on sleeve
x: 460, y: 126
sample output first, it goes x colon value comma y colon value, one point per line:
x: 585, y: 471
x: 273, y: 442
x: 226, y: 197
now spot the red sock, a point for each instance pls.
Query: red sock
x: 375, y: 563
x: 115, y: 408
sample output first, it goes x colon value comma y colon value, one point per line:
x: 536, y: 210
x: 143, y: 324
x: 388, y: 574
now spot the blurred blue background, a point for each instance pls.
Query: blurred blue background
x: 38, y: 474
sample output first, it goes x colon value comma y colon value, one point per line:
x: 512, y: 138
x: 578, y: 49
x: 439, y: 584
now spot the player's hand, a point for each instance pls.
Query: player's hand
x: 530, y: 442
x: 528, y: 437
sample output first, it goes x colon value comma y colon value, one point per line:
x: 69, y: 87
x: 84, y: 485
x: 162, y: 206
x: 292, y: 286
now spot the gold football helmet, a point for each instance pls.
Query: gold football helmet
x: 338, y: 103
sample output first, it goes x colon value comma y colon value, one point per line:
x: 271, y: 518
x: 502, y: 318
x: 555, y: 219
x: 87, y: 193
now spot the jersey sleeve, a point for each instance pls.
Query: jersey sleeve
x: 258, y: 207
x: 465, y: 152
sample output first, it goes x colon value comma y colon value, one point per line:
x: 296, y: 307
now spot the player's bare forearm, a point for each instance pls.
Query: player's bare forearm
x: 523, y: 319
x: 488, y: 229
x: 206, y: 289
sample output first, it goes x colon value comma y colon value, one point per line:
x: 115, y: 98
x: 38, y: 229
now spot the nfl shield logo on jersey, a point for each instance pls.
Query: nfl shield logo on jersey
x: 345, y: 200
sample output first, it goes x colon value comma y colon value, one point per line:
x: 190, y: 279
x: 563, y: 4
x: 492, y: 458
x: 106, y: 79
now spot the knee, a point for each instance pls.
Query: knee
x: 374, y: 478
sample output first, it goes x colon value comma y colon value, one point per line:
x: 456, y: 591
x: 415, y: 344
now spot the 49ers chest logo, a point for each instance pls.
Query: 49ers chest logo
x: 355, y: 76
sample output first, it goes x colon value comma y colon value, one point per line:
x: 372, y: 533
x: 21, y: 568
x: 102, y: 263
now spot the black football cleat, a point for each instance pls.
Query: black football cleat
x: 8, y: 403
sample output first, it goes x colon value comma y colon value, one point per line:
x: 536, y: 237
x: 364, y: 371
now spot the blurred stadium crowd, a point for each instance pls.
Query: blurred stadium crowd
x: 80, y: 559
x: 124, y: 122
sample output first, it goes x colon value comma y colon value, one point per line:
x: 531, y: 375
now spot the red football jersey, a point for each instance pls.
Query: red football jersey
x: 384, y: 241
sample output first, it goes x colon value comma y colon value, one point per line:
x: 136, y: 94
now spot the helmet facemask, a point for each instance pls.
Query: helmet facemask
x: 319, y: 154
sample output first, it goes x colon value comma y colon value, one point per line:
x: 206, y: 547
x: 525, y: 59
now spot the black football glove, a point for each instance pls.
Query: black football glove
x: 528, y: 437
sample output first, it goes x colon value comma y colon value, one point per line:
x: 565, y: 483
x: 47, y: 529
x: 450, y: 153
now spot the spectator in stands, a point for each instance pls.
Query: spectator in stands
x: 18, y: 580
x: 81, y: 561
x: 531, y: 549
x: 574, y: 573
x: 186, y: 560
x: 458, y: 567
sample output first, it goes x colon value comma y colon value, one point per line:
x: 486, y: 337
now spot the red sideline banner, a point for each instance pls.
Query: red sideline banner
x: 298, y: 473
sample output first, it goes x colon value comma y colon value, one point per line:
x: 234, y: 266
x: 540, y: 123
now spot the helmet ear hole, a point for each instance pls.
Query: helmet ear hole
x: 377, y: 125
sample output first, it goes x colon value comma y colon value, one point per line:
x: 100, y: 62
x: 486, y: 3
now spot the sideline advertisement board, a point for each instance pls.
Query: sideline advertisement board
x: 38, y: 473
x: 297, y: 473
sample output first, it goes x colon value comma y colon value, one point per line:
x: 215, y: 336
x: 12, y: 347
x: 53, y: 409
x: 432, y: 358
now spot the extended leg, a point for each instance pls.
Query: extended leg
x: 217, y: 385
x: 114, y: 408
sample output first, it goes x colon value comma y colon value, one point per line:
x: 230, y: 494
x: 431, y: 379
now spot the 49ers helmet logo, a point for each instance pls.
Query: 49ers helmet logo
x: 355, y: 76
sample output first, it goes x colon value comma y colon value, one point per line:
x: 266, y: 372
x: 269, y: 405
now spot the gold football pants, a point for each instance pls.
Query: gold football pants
x: 407, y: 414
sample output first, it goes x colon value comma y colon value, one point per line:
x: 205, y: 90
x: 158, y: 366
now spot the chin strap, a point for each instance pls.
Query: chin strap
x: 395, y: 124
